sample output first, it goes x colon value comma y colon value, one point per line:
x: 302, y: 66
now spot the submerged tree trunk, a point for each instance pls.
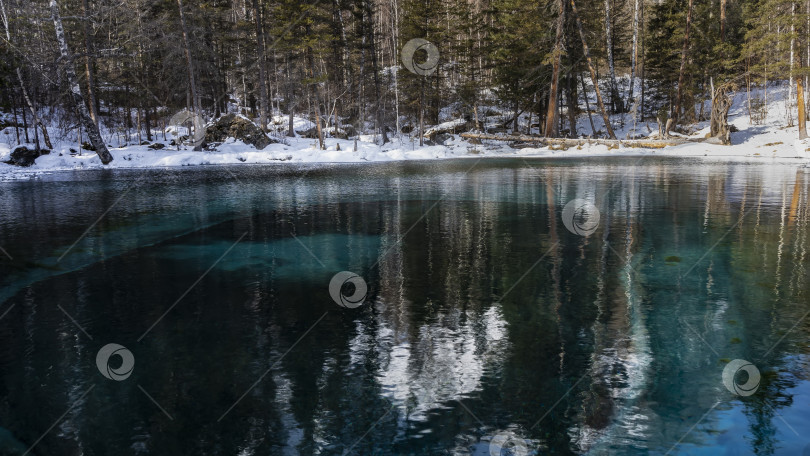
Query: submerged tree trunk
x: 595, y: 80
x: 552, y: 127
x: 75, y: 91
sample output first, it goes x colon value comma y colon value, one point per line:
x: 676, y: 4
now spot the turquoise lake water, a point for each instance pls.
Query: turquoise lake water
x: 489, y: 322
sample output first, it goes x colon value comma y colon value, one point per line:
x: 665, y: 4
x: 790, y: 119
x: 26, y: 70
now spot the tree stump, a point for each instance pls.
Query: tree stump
x: 721, y: 104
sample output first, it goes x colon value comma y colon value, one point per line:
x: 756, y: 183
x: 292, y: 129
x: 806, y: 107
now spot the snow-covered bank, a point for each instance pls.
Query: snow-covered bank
x: 766, y: 143
x: 764, y: 147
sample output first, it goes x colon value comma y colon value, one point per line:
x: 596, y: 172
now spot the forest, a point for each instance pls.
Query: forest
x: 393, y: 67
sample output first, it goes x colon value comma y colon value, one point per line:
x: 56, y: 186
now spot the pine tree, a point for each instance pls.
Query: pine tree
x: 519, y: 37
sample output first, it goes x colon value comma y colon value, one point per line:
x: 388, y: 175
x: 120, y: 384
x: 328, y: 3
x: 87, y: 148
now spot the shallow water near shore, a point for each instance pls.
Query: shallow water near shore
x: 487, y: 322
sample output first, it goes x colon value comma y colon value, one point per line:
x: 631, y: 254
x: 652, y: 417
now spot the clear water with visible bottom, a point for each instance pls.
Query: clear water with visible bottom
x: 488, y: 327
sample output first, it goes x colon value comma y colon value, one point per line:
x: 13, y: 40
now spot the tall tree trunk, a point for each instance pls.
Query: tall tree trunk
x: 76, y: 93
x: 25, y: 126
x: 595, y: 80
x: 361, y: 85
x: 642, y: 54
x: 34, y: 113
x: 723, y: 20
x: 421, y: 112
x: 614, y: 102
x: 552, y: 129
x: 262, y: 66
x: 634, y: 51
x: 92, y: 100
x: 571, y: 101
x: 290, y: 97
x: 380, y: 118
x: 587, y: 104
x: 138, y: 123
x: 147, y: 122
x: 792, y: 58
x: 682, y: 72
x: 14, y: 111
x: 345, y: 62
x: 192, y: 81
x: 801, y: 109
x: 395, y: 43
x: 36, y: 138
x: 143, y: 104
x: 314, y: 85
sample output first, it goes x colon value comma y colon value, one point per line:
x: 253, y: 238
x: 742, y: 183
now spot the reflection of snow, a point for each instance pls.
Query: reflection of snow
x: 510, y: 441
x: 619, y: 369
x: 447, y: 361
x: 294, y: 433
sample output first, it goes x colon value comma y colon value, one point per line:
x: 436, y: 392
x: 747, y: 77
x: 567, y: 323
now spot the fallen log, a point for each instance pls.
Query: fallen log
x: 567, y: 142
x: 450, y: 127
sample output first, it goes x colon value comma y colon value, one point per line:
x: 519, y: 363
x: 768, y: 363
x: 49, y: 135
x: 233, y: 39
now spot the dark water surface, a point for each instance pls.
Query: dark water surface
x: 487, y: 322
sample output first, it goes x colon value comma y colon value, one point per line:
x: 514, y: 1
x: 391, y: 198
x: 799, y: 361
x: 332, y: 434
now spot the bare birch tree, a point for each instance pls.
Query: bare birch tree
x: 75, y: 91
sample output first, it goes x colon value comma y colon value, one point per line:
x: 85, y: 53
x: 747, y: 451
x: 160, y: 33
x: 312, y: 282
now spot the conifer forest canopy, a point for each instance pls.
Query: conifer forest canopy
x: 134, y: 63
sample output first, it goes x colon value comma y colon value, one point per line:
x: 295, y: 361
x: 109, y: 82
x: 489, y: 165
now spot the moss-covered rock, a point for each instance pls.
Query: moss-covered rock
x: 310, y: 133
x: 23, y: 156
x: 237, y: 127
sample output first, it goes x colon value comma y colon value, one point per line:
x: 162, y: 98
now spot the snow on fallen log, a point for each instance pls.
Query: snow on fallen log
x: 452, y: 127
x: 567, y: 142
